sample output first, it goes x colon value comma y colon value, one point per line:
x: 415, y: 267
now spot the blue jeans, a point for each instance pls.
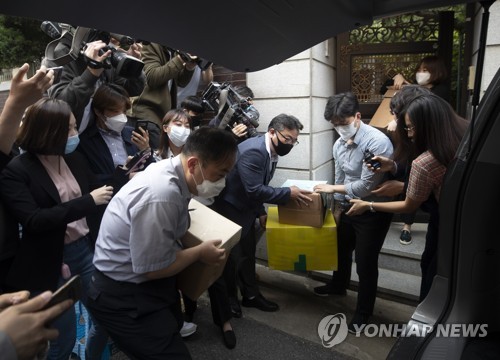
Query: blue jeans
x: 78, y: 256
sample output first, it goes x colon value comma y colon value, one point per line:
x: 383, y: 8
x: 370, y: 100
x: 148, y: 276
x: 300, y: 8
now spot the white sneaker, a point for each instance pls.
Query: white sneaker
x: 188, y: 328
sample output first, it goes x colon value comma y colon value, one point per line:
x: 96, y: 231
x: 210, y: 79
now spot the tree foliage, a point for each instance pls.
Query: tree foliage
x: 21, y: 40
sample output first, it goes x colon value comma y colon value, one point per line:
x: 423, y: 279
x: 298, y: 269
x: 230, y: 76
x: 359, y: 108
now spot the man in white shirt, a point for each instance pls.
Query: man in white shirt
x: 138, y: 253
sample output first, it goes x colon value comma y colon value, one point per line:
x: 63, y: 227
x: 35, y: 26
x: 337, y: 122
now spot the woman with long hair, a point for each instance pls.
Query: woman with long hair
x: 428, y: 135
x: 175, y: 129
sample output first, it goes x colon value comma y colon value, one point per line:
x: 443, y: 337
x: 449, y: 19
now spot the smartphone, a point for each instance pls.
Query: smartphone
x: 133, y: 164
x: 72, y: 289
x: 57, y: 73
x: 141, y: 123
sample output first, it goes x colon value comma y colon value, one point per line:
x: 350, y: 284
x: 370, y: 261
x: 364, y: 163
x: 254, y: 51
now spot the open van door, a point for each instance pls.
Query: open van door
x: 460, y: 318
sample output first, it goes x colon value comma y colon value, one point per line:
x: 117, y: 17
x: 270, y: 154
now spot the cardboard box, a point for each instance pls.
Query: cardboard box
x: 295, y: 214
x: 383, y: 116
x: 205, y: 225
x: 301, y: 248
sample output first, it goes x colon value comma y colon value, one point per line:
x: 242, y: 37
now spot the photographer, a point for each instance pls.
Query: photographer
x: 81, y: 77
x: 244, y: 120
x: 165, y: 70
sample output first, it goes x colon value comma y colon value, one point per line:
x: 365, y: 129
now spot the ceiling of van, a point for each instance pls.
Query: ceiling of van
x: 245, y: 35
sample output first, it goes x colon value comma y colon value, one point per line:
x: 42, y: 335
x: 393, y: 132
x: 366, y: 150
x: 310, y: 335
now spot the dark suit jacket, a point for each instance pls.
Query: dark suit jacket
x: 29, y: 193
x: 96, y: 151
x: 247, y: 185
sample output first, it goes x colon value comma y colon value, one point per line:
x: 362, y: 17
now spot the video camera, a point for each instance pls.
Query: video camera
x: 202, y: 63
x: 125, y: 41
x: 231, y: 107
x: 126, y: 66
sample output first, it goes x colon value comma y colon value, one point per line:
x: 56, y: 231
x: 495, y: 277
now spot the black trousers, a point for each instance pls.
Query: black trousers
x: 219, y: 303
x: 240, y: 267
x: 364, y: 234
x: 142, y: 319
x: 428, y: 262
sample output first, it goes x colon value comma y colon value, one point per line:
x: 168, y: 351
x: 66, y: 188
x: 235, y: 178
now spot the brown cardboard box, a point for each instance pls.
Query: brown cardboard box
x: 295, y: 214
x: 206, y: 224
x: 383, y: 116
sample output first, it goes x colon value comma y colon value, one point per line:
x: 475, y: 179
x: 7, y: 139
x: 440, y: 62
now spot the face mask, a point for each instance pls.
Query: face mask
x: 179, y: 135
x: 71, y: 144
x: 346, y: 131
x: 282, y: 148
x: 423, y: 78
x: 116, y: 123
x: 208, y: 189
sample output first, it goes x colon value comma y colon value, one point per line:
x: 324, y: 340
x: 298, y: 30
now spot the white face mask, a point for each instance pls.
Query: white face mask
x: 178, y: 135
x: 423, y: 78
x: 117, y: 122
x: 346, y: 131
x: 208, y: 189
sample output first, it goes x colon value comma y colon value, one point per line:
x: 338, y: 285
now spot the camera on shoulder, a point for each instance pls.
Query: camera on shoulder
x: 231, y: 108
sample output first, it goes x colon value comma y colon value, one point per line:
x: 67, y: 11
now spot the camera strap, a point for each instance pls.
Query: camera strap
x: 76, y: 44
x: 91, y: 63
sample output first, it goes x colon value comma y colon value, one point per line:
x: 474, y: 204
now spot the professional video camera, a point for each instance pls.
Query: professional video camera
x: 231, y: 107
x: 125, y: 65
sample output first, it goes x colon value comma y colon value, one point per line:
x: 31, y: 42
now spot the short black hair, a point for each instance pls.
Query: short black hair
x: 210, y: 145
x: 193, y: 103
x: 110, y: 96
x: 341, y: 106
x: 244, y: 91
x: 282, y: 121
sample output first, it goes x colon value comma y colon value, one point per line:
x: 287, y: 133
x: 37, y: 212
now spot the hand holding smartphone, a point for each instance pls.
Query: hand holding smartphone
x: 72, y: 289
x: 57, y: 73
x: 141, y: 124
x: 133, y: 164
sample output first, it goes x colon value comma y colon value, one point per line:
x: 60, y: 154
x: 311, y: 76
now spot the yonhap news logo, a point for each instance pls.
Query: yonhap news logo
x: 332, y: 330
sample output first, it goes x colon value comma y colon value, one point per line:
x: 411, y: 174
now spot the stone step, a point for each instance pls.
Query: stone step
x: 392, y: 285
x: 395, y: 256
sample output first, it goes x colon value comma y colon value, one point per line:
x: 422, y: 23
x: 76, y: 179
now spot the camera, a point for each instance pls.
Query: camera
x: 202, y: 63
x: 125, y: 41
x: 368, y: 158
x: 66, y: 36
x: 126, y: 66
x: 231, y: 107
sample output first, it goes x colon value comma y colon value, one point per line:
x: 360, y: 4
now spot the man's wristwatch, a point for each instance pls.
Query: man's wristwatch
x: 371, y: 207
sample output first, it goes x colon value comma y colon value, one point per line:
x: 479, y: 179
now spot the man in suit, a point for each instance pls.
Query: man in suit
x: 242, y: 201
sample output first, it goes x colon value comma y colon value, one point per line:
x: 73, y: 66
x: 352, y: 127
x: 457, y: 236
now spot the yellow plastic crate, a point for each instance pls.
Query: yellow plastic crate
x: 301, y: 248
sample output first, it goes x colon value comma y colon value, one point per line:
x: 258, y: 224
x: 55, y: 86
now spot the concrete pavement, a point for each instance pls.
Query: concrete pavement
x: 292, y: 332
x: 301, y: 311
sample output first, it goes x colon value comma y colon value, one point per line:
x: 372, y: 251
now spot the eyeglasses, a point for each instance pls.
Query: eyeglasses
x: 409, y: 128
x: 289, y: 140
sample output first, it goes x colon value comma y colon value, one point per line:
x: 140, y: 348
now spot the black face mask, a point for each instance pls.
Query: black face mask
x: 282, y: 148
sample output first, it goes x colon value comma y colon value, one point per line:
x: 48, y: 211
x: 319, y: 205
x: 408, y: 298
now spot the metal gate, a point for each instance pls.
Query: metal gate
x: 368, y: 56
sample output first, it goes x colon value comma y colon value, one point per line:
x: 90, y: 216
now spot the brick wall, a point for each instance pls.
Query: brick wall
x: 222, y: 74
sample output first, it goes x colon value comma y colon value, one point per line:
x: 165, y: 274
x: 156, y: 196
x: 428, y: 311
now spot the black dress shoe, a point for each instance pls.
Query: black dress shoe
x: 261, y: 303
x: 235, y: 307
x: 358, y: 323
x: 229, y: 339
x: 328, y: 289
